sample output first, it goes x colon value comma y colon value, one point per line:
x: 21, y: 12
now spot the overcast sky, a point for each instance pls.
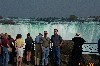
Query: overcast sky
x: 49, y: 8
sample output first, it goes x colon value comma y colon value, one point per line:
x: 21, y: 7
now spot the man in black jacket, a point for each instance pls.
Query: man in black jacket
x: 77, y: 50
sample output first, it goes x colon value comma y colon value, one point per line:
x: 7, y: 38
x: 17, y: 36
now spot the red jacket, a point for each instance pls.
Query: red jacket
x: 5, y: 42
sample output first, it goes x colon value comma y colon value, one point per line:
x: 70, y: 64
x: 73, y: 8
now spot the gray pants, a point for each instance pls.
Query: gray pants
x: 37, y: 54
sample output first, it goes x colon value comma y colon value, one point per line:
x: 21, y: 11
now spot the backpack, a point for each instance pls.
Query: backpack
x: 37, y: 39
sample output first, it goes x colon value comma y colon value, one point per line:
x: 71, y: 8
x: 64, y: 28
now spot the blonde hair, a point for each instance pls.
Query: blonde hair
x: 5, y: 35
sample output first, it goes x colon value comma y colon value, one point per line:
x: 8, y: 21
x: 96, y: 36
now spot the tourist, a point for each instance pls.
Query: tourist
x: 77, y: 50
x: 19, y: 48
x: 57, y: 43
x: 28, y: 48
x: 38, y: 49
x: 45, y: 41
x: 11, y: 44
x: 5, y: 45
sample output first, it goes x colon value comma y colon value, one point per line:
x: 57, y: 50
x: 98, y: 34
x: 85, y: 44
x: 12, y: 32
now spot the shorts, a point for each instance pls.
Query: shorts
x: 20, y: 52
x: 28, y: 48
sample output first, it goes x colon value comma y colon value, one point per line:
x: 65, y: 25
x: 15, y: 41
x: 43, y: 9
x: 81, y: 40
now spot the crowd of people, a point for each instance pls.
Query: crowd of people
x: 11, y: 50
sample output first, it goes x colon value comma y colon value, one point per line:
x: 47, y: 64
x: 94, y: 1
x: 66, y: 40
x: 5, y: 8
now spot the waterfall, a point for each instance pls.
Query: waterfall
x: 89, y: 31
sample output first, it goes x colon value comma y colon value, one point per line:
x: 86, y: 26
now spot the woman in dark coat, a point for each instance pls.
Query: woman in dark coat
x: 28, y: 48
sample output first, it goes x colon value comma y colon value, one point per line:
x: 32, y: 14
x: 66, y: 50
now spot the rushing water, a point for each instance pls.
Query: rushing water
x: 90, y: 31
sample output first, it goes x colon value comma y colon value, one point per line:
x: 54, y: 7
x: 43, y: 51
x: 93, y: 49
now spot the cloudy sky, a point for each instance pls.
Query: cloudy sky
x: 49, y: 8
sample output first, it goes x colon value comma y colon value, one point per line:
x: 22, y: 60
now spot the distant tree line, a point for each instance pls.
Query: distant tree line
x: 70, y: 18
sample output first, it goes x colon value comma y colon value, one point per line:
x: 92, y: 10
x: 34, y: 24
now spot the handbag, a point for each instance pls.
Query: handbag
x: 9, y: 49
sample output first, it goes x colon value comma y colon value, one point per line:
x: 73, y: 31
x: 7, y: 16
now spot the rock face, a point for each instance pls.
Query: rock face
x: 66, y: 50
x: 91, y: 58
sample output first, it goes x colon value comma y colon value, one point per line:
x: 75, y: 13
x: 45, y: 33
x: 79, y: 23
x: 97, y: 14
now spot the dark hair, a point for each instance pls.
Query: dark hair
x: 5, y: 33
x: 56, y: 29
x: 19, y: 36
x: 9, y: 36
x: 28, y: 35
x: 45, y: 31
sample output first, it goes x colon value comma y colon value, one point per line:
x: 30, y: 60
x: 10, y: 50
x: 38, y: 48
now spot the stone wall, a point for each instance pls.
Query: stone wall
x: 66, y: 50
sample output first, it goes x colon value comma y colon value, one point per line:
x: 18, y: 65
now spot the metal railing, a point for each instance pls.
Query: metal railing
x: 87, y: 46
x: 92, y: 47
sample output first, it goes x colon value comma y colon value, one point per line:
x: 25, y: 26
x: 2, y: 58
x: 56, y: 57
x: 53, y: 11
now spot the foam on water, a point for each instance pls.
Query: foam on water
x: 89, y: 31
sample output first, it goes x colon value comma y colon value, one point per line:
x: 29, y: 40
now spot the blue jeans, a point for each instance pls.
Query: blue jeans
x: 56, y: 55
x: 5, y: 56
x: 45, y: 56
